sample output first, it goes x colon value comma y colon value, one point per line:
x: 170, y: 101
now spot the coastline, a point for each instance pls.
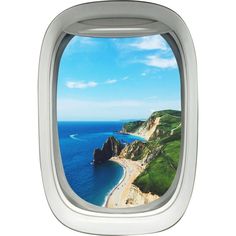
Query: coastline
x: 125, y: 194
x: 133, y: 134
x: 114, y: 188
x: 117, y: 197
x: 113, y: 192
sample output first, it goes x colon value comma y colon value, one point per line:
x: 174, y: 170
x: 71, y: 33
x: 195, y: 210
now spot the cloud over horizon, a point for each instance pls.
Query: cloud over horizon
x: 79, y: 109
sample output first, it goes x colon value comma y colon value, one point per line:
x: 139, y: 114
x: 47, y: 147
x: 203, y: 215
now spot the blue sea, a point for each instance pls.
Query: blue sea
x: 77, y: 141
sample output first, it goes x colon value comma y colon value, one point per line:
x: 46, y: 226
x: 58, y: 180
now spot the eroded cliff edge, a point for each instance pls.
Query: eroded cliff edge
x: 157, y: 158
x: 160, y: 154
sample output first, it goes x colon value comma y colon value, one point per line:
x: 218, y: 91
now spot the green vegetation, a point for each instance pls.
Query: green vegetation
x: 175, y: 134
x: 132, y: 126
x: 164, y: 112
x: 167, y: 124
x: 160, y: 172
x: 160, y: 152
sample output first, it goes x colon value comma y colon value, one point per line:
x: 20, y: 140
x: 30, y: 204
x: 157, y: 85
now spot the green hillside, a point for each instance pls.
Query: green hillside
x: 132, y: 126
x: 160, y: 172
x: 160, y: 152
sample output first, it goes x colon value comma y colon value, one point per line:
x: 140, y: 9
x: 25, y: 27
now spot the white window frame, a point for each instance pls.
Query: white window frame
x: 71, y: 210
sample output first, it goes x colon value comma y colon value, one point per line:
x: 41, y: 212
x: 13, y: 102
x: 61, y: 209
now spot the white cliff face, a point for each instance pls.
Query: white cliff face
x: 148, y: 128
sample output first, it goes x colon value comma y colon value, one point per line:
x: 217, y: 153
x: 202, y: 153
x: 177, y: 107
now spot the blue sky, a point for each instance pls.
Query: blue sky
x: 116, y: 78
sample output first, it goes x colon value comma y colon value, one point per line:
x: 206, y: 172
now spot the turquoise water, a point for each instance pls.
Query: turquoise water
x: 77, y: 142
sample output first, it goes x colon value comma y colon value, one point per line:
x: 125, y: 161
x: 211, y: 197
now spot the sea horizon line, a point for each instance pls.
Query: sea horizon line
x: 123, y: 120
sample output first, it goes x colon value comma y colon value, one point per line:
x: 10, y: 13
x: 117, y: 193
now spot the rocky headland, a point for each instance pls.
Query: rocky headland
x: 112, y: 147
x: 150, y: 166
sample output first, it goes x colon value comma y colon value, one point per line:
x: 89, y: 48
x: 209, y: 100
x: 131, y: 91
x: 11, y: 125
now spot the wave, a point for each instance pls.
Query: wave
x: 73, y: 136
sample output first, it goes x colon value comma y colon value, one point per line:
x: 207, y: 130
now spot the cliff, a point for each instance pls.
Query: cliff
x: 160, y: 154
x: 133, y: 151
x: 112, y: 147
x: 159, y: 124
x: 132, y: 126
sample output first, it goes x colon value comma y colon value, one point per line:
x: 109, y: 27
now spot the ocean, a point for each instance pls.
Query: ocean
x: 77, y: 141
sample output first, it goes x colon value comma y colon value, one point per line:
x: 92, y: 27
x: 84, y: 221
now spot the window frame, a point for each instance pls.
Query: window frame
x: 64, y: 203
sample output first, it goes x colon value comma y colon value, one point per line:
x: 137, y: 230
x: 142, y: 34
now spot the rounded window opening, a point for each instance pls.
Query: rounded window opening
x: 119, y: 119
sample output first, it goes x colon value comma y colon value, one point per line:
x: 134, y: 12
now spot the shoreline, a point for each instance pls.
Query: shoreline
x: 117, y: 160
x: 114, y: 188
x: 125, y: 193
x: 134, y: 134
x: 106, y: 204
x: 117, y: 185
x: 119, y: 195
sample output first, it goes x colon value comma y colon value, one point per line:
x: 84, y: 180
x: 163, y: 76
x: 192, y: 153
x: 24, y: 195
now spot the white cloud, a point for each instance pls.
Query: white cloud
x: 150, y: 43
x: 125, y: 78
x: 111, y: 81
x: 159, y: 62
x: 90, y: 84
x: 81, y: 84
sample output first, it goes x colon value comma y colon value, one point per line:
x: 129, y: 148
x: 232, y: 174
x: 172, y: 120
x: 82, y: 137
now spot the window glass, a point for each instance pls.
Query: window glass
x: 119, y: 119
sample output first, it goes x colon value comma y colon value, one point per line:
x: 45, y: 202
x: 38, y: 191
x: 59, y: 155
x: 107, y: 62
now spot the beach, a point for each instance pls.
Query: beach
x: 133, y: 134
x: 126, y: 194
x: 78, y: 140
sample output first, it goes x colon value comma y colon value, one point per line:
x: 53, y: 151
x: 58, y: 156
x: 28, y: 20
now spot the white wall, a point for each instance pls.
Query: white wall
x: 23, y: 207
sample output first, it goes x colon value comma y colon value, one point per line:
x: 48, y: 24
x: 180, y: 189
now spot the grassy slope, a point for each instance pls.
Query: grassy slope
x: 132, y: 126
x: 161, y: 170
x: 168, y: 122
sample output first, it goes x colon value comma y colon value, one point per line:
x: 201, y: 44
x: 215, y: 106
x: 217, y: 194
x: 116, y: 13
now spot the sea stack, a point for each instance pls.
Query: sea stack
x: 112, y: 147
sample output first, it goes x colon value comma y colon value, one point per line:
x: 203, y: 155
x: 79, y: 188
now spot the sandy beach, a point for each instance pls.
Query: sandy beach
x: 126, y: 194
x: 134, y: 134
